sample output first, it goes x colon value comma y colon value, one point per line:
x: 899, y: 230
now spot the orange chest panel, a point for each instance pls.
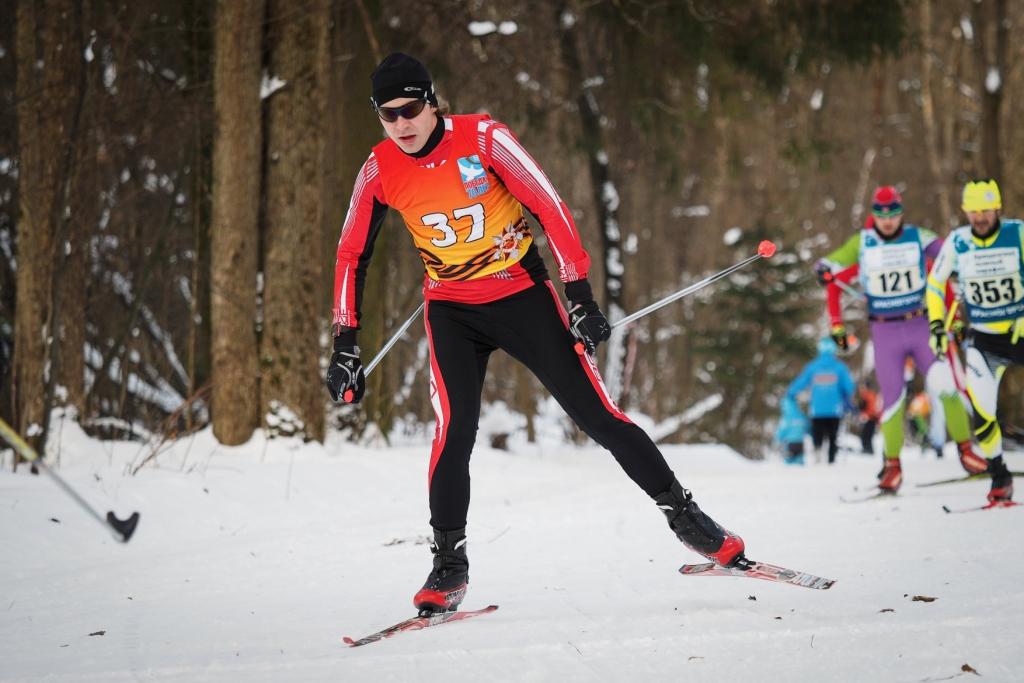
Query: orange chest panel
x: 464, y: 221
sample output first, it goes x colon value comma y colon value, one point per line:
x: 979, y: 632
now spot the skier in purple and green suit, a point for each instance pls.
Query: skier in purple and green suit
x: 889, y: 258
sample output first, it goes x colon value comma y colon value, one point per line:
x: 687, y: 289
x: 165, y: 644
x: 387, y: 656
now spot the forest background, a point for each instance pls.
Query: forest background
x: 174, y: 177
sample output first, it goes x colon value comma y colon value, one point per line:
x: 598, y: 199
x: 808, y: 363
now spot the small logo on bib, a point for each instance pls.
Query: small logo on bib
x: 474, y: 178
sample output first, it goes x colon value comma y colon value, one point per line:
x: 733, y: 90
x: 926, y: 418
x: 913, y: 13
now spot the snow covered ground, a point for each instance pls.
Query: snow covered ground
x: 250, y: 563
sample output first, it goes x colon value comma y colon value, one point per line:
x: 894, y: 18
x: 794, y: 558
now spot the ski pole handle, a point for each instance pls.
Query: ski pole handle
x: 856, y: 293
x: 766, y: 249
x: 20, y: 446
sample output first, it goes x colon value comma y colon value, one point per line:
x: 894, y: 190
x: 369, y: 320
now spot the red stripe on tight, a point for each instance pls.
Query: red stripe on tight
x: 442, y: 409
x: 593, y: 374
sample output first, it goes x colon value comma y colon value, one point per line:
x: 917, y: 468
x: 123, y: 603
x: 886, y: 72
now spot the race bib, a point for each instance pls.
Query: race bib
x: 991, y: 277
x: 892, y: 270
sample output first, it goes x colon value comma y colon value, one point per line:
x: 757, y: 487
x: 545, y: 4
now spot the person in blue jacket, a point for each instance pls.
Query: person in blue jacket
x: 832, y: 390
x: 793, y: 427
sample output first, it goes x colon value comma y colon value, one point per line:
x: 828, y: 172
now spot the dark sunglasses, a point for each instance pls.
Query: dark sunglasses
x: 887, y: 210
x: 406, y: 111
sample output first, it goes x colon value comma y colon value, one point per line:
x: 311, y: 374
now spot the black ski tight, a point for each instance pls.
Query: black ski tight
x: 531, y: 327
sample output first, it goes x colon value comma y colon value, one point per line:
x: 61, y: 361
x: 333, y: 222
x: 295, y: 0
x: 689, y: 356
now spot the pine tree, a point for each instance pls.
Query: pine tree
x: 754, y: 329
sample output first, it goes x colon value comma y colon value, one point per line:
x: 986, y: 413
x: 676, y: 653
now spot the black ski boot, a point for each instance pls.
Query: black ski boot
x: 696, y: 530
x: 1002, y: 480
x: 446, y: 585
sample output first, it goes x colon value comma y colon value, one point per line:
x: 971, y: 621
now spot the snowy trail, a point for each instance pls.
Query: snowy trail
x: 251, y: 563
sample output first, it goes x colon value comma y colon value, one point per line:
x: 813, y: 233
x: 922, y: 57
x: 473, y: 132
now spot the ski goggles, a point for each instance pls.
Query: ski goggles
x: 887, y: 210
x: 406, y: 111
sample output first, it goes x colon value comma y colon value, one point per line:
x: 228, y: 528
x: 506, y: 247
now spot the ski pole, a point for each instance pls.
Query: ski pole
x: 387, y: 347
x: 122, y: 528
x: 765, y: 249
x: 856, y: 293
x: 951, y: 354
x: 394, y: 340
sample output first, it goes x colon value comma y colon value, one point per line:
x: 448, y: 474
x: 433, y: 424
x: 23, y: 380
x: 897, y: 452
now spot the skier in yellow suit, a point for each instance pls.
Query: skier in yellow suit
x: 988, y: 257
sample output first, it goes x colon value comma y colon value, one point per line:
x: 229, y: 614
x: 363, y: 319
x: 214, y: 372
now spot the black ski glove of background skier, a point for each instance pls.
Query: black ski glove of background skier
x: 345, y: 378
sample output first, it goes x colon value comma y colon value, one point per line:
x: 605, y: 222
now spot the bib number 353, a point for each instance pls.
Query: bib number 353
x: 994, y: 291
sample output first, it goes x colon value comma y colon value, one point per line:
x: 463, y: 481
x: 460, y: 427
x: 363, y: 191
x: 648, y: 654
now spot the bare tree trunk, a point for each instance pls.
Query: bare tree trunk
x: 73, y: 278
x: 1013, y: 405
x: 606, y: 196
x: 83, y: 202
x: 290, y: 348
x: 49, y: 101
x: 202, y: 59
x: 235, y: 229
x: 990, y: 15
x: 931, y: 133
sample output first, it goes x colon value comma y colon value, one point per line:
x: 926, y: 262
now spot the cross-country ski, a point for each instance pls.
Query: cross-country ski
x: 995, y: 504
x: 877, y: 494
x: 416, y: 623
x: 961, y: 479
x: 759, y: 570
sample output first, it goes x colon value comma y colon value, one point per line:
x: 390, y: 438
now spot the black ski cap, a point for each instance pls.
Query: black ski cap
x: 400, y: 75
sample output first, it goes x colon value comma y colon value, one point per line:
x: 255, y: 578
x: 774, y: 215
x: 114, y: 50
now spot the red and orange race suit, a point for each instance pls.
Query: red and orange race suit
x: 463, y: 205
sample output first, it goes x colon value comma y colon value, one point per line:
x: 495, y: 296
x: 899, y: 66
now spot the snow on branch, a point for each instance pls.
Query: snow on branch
x: 163, y: 395
x: 124, y: 288
x: 689, y: 416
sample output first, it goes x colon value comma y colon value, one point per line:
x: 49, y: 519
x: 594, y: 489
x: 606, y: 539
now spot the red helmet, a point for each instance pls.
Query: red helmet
x: 887, y: 201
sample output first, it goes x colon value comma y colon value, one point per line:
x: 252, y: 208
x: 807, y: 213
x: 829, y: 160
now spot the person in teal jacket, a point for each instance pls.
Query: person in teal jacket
x: 832, y: 390
x: 793, y: 427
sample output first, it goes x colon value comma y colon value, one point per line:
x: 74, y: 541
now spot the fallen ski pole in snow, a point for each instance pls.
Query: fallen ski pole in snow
x: 122, y: 528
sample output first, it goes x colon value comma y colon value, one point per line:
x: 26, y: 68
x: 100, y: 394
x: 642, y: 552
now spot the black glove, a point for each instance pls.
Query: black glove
x: 345, y: 378
x: 939, y: 340
x: 823, y: 272
x: 586, y: 321
x: 839, y: 336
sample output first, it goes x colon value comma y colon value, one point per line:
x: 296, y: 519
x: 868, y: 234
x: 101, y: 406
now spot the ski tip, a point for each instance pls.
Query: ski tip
x: 946, y: 508
x: 348, y: 640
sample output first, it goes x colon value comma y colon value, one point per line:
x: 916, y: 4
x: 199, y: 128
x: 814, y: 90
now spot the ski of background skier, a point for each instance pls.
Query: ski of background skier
x: 416, y: 623
x: 988, y: 506
x: 759, y: 570
x: 875, y: 495
x: 966, y: 477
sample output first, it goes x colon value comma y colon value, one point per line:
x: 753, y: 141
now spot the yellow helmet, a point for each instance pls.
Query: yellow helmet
x: 981, y: 195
